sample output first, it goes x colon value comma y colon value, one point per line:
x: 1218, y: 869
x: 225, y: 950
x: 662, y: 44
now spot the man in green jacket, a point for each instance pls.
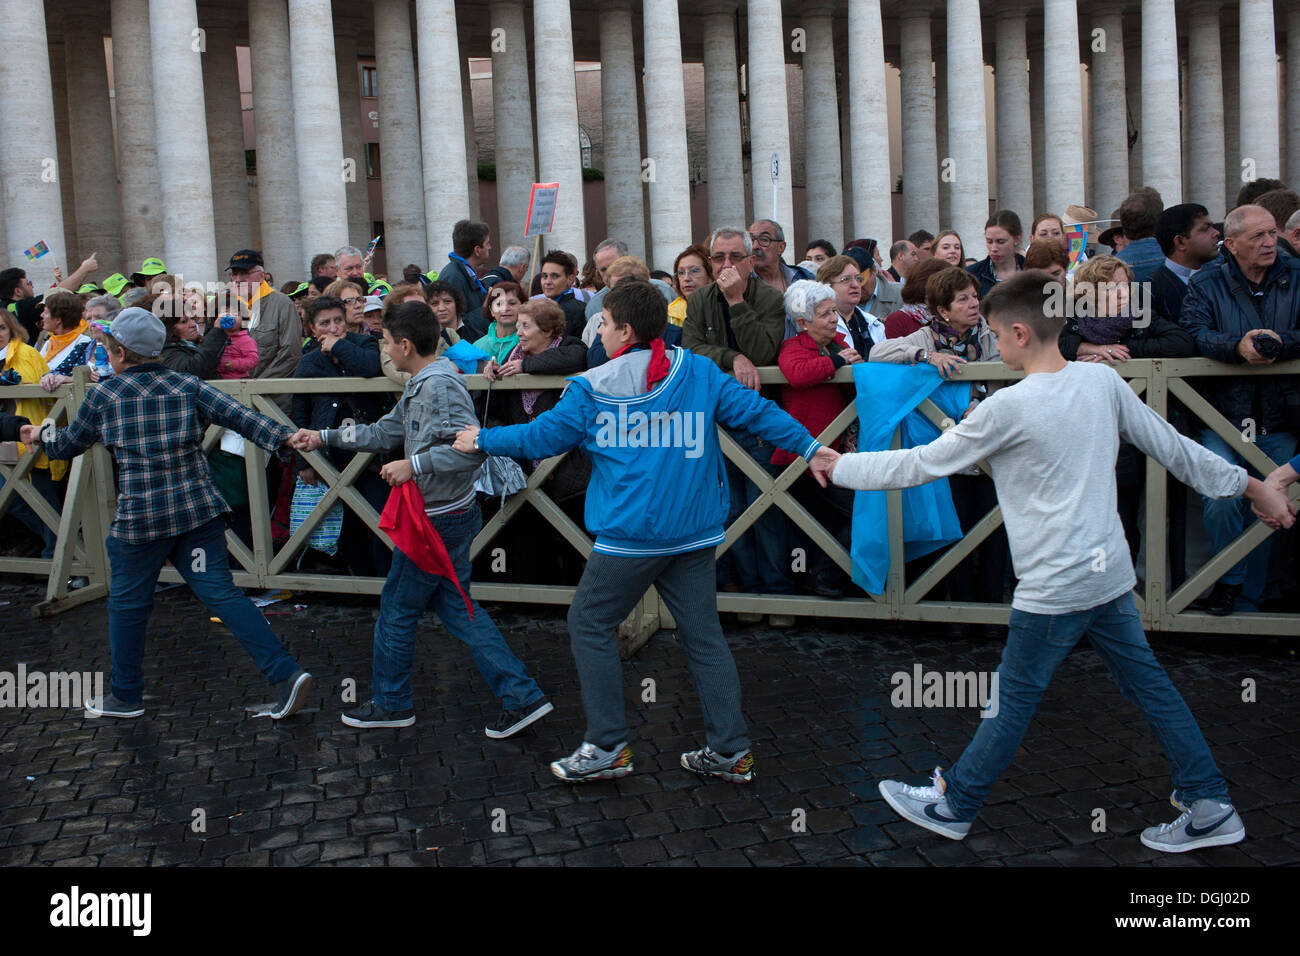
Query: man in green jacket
x: 739, y: 323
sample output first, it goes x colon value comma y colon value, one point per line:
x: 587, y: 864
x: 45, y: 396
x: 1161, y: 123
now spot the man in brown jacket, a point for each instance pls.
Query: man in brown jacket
x: 739, y: 323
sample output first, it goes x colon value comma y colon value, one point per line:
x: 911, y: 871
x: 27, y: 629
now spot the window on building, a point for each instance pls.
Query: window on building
x: 372, y: 161
x: 368, y: 81
x: 584, y: 141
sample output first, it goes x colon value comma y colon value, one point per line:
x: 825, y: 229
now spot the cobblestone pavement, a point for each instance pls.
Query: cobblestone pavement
x: 309, y: 790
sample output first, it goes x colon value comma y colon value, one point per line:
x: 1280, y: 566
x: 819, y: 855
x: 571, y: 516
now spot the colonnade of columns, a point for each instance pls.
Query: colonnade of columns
x: 178, y: 188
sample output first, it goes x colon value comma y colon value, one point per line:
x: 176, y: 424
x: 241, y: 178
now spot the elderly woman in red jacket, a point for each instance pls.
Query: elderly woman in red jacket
x: 809, y: 361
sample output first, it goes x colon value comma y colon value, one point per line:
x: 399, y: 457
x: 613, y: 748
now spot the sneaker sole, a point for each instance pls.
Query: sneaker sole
x: 513, y: 729
x: 720, y: 774
x: 94, y: 712
x: 1223, y: 839
x: 365, y: 724
x: 613, y: 773
x: 920, y: 821
x: 297, y: 697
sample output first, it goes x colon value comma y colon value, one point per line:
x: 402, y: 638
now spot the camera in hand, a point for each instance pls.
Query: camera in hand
x: 227, y: 322
x: 10, y: 376
x: 1267, y: 346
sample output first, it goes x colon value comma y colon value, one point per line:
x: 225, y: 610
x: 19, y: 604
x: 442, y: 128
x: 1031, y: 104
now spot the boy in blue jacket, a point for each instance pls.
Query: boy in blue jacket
x: 657, y: 503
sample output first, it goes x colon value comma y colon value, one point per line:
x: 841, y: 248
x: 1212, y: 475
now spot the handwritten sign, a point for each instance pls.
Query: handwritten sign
x: 541, y: 209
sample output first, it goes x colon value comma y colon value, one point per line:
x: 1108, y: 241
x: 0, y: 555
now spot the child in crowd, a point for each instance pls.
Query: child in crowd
x: 239, y: 357
x: 1056, y: 487
x: 647, y: 418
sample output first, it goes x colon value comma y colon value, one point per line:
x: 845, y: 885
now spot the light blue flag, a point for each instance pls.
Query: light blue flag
x: 888, y: 394
x: 466, y: 356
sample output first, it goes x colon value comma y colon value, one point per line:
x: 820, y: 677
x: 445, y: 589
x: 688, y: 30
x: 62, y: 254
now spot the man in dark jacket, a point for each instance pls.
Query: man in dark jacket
x: 1248, y: 295
x: 739, y: 323
x: 1189, y: 240
x: 471, y: 245
x: 558, y: 273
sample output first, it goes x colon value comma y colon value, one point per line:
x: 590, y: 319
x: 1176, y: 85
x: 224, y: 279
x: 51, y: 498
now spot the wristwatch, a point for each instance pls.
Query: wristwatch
x: 922, y: 355
x: 476, y: 448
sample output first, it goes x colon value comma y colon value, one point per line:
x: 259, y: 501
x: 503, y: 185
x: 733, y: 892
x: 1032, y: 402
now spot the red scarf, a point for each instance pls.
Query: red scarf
x: 659, y: 364
x: 404, y: 520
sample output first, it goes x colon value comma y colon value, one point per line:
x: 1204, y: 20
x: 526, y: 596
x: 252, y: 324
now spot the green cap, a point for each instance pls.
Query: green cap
x: 89, y: 287
x: 115, y: 283
x: 432, y: 275
x: 299, y: 291
x: 151, y: 267
x: 380, y: 288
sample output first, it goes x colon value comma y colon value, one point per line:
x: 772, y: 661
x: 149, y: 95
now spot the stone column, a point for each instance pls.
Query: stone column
x: 869, y: 131
x: 1161, y: 137
x: 1293, y: 95
x: 399, y: 135
x: 621, y: 135
x: 446, y: 194
x: 1258, y: 79
x: 967, y: 134
x: 512, y: 119
x: 1133, y: 99
x: 822, y: 125
x: 63, y: 136
x: 471, y: 140
x: 230, y: 201
x: 769, y: 126
x: 354, y: 146
x: 90, y: 121
x: 559, y: 155
x: 665, y: 100
x: 29, y: 170
x: 920, y: 148
x: 318, y: 128
x: 1015, y: 132
x: 140, y: 192
x: 722, y: 117
x: 1207, y: 183
x: 280, y: 211
x: 1109, y: 113
x: 1063, y: 131
x: 1232, y: 171
x: 1038, y: 122
x: 188, y: 225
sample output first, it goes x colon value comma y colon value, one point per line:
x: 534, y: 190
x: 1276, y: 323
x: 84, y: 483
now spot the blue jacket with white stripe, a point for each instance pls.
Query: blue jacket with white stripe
x: 659, y: 482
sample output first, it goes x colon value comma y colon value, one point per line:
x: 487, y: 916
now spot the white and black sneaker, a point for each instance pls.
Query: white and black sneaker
x: 1205, y: 823
x: 925, y: 806
x: 371, y: 714
x: 292, y: 693
x: 110, y: 706
x: 512, y: 721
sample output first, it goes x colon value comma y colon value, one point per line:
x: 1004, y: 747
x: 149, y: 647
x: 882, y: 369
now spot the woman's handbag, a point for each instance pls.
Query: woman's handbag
x: 326, y: 536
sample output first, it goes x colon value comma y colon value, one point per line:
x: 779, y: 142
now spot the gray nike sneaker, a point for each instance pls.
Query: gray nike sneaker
x: 925, y: 806
x: 1206, y: 823
x: 589, y: 762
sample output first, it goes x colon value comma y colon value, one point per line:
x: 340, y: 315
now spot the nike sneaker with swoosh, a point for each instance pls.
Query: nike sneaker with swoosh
x: 925, y: 806
x: 1205, y: 823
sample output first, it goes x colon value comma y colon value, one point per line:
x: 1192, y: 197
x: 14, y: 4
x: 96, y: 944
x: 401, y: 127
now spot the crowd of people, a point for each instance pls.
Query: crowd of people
x: 1171, y: 284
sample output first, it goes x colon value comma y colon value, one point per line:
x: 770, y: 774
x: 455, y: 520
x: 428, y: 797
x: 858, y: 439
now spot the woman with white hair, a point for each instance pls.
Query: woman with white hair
x: 809, y: 360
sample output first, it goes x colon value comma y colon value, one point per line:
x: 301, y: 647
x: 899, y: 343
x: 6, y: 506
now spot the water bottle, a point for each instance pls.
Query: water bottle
x: 227, y: 322
x: 102, y: 366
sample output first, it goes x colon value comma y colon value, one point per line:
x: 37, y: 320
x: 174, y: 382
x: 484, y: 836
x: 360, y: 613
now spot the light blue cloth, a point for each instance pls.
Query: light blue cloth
x: 465, y: 356
x: 886, y: 395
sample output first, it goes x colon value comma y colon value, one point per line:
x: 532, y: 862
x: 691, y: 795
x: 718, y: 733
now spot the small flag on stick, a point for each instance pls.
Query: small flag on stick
x: 35, y: 252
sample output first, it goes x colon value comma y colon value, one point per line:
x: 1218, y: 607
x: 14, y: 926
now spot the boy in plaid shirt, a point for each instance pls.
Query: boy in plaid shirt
x: 153, y: 420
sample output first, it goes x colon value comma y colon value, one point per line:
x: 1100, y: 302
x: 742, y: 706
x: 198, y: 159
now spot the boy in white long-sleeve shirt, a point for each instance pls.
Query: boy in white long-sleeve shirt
x: 1051, y: 441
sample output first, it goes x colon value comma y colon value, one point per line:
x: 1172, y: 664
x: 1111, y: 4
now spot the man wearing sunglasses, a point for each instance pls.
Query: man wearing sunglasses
x: 768, y: 240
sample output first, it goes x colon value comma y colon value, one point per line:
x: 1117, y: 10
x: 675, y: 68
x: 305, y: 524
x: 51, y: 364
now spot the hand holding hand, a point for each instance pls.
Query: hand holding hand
x: 397, y: 472
x: 305, y: 439
x: 465, y: 440
x: 823, y: 464
x: 1270, y: 504
x: 745, y: 372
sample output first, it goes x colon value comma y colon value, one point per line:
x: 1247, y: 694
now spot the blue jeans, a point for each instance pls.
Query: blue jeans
x: 200, y: 557
x: 761, y: 555
x: 409, y: 592
x: 20, y: 509
x: 1035, y: 647
x: 1227, y: 518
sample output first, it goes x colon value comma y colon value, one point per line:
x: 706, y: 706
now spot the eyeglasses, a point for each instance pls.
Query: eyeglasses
x: 763, y: 239
x: 349, y: 299
x: 845, y: 280
x: 719, y: 258
x: 686, y: 273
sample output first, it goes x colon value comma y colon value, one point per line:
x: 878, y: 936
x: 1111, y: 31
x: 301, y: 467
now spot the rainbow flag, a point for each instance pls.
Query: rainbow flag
x: 35, y: 252
x: 1078, y: 243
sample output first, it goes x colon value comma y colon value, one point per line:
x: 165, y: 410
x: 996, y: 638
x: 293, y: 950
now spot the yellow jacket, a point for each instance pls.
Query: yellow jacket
x: 31, y: 367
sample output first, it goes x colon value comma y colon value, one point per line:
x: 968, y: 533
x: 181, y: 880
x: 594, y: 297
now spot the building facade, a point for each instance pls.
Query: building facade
x: 188, y: 129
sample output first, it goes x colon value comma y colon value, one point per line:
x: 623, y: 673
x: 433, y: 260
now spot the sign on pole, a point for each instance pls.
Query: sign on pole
x: 776, y: 172
x: 541, y: 209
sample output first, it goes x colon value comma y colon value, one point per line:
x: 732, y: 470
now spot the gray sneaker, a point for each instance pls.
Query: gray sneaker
x: 738, y: 768
x: 925, y: 806
x: 110, y: 706
x: 589, y: 762
x: 1206, y: 823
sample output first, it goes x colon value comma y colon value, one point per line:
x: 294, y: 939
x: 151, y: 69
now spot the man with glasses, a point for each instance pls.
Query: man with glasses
x: 272, y: 320
x: 603, y: 256
x: 739, y: 323
x: 768, y: 241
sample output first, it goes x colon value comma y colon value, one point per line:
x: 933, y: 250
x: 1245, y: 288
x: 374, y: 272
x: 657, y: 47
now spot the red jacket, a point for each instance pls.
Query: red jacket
x: 809, y: 398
